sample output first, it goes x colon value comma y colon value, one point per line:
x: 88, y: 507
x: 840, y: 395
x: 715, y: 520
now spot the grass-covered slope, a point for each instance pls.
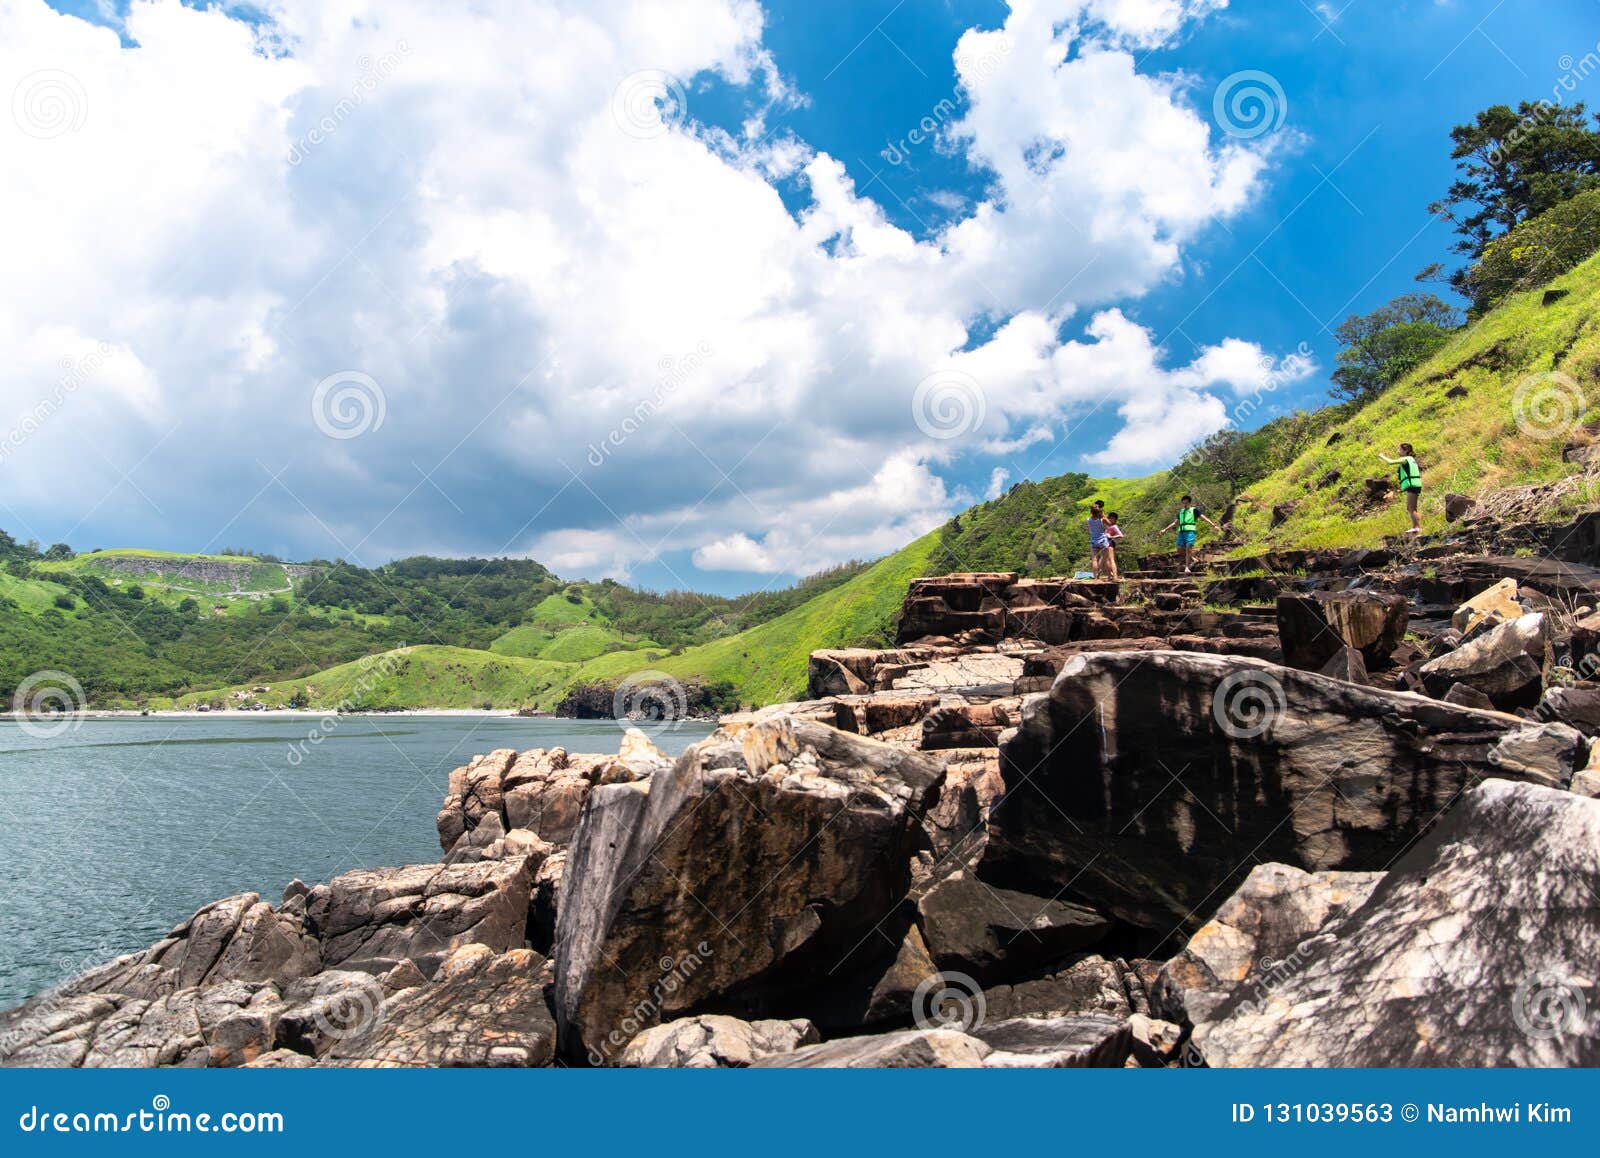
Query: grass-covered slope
x: 1529, y: 376
x: 428, y: 676
x: 767, y: 663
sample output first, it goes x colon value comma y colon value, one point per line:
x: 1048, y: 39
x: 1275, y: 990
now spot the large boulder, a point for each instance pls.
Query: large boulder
x: 1133, y: 764
x: 1313, y: 629
x: 735, y: 879
x: 1477, y: 949
x: 1506, y: 663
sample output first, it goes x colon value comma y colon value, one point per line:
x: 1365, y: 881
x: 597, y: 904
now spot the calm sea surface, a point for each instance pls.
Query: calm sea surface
x: 115, y: 830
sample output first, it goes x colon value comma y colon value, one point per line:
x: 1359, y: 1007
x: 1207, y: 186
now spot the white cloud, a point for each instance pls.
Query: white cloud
x: 452, y: 204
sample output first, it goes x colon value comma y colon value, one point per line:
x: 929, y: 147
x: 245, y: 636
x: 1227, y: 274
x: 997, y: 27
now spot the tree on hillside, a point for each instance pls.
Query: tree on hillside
x: 1535, y: 252
x: 1231, y: 457
x: 1515, y: 164
x: 1382, y: 347
x: 1292, y: 434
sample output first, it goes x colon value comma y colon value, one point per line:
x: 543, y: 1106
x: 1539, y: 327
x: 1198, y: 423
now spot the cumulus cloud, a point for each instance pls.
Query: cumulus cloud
x: 597, y: 332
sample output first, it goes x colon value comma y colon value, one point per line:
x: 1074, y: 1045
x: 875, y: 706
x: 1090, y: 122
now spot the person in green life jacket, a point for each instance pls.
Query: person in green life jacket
x: 1409, y: 472
x: 1188, y: 524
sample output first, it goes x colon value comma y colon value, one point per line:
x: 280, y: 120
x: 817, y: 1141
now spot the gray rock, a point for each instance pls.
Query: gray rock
x: 1477, y: 949
x: 997, y: 934
x: 782, y: 846
x: 905, y: 1049
x: 1093, y: 985
x: 1506, y: 663
x: 484, y: 1009
x: 714, y: 1041
x: 1256, y: 934
x: 1078, y: 1041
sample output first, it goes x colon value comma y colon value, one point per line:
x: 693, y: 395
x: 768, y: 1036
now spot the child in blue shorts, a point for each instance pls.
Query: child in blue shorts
x: 1188, y: 524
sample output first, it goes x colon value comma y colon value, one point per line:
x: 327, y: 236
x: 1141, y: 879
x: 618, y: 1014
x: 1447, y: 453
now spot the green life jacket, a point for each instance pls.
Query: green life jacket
x: 1410, y: 473
x: 1188, y: 519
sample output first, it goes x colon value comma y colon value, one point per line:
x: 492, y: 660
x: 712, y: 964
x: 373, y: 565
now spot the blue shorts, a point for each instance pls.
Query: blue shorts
x: 1185, y: 538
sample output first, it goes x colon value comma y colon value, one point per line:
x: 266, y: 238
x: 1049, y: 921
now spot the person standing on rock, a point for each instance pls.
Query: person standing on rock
x: 1188, y: 524
x: 1099, y: 543
x: 1410, y: 474
x: 1113, y: 533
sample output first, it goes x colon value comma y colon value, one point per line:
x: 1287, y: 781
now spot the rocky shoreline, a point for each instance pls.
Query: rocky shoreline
x: 1317, y: 809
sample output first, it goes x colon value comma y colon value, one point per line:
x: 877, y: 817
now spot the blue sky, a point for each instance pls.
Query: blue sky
x: 464, y: 235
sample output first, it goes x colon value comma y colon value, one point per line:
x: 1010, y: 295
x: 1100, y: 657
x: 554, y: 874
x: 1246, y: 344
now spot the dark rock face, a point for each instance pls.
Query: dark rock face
x: 997, y: 934
x: 1477, y: 949
x: 1135, y: 763
x: 755, y: 855
x: 1314, y: 629
x: 1577, y: 706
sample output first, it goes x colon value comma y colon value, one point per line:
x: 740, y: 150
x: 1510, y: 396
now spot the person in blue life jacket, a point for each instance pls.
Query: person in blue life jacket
x: 1099, y: 543
x: 1409, y: 472
x: 1188, y: 524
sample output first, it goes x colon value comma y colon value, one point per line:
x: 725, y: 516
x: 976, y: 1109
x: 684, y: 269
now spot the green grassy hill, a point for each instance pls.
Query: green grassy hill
x: 1471, y: 443
x: 426, y: 676
x: 766, y: 663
